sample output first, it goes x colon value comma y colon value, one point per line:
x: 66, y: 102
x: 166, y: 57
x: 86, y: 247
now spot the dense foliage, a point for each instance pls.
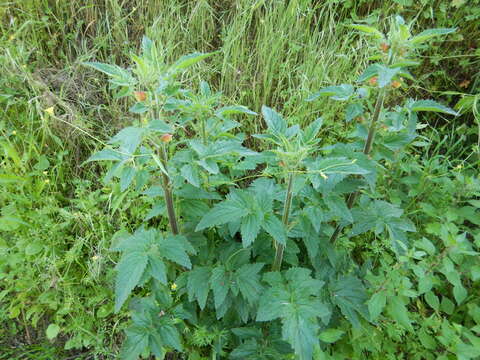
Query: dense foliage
x: 218, y: 232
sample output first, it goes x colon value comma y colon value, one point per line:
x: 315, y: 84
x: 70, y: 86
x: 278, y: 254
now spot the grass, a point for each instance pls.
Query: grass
x: 267, y: 52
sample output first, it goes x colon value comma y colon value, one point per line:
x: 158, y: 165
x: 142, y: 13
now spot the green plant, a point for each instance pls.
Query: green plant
x: 221, y: 224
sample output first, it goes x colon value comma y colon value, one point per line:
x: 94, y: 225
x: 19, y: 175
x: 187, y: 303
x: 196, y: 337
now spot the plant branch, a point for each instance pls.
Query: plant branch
x: 286, y: 212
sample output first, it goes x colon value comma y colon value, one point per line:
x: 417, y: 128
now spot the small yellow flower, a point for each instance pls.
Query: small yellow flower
x: 47, y: 181
x: 11, y: 37
x: 173, y: 287
x: 50, y: 111
x: 95, y: 257
x: 14, y: 132
x: 45, y: 173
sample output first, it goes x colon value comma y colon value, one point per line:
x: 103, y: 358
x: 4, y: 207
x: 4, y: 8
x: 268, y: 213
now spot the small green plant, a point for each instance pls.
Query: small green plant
x: 246, y: 264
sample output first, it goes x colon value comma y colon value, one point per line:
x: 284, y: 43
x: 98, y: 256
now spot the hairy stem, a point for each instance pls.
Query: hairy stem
x: 366, y: 150
x: 167, y: 189
x: 286, y: 212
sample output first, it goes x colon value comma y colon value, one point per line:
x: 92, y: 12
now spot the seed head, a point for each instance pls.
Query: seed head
x: 396, y: 84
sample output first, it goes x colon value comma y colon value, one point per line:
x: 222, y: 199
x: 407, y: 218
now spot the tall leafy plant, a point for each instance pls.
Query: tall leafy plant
x: 243, y: 266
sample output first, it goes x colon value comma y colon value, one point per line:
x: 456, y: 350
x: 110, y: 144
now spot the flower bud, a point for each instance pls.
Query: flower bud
x: 373, y: 81
x: 166, y: 138
x: 384, y: 47
x: 396, y: 84
x: 140, y: 95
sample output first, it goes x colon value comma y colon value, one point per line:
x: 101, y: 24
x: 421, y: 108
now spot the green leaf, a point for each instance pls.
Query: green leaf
x: 398, y: 311
x: 248, y: 281
x: 370, y: 30
x: 349, y: 294
x: 52, y: 331
x: 128, y: 173
x: 169, y: 335
x: 136, y: 342
x: 198, y: 285
x: 222, y: 213
x: 119, y: 76
x: 174, y: 249
x: 429, y: 34
x: 341, y: 92
x: 385, y: 75
x: 249, y: 228
x: 160, y: 126
x: 129, y: 271
x: 157, y: 270
x: 273, y: 226
x: 220, y: 284
x: 128, y: 139
x: 331, y: 335
x: 295, y: 300
x: 106, y: 154
x: 376, y: 304
x: 430, y: 105
x: 232, y: 110
x: 352, y: 111
x: 138, y: 108
x: 276, y: 124
x: 190, y: 173
x: 189, y: 60
x: 311, y: 131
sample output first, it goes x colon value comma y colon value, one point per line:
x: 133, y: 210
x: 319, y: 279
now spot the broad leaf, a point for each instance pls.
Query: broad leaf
x: 431, y: 33
x: 129, y: 271
x: 370, y: 30
x: 430, y: 105
x: 198, y: 285
x: 276, y: 124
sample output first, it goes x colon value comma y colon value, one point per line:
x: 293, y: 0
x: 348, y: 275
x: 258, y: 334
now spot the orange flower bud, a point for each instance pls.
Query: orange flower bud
x: 166, y: 138
x: 396, y: 84
x: 140, y: 95
x: 384, y: 47
x: 373, y: 81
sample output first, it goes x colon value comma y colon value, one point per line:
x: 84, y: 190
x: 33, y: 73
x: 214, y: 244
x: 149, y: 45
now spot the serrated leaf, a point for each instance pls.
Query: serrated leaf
x: 198, y: 285
x: 160, y: 126
x: 433, y: 106
x: 129, y: 271
x: 276, y: 124
x: 190, y: 173
x: 173, y: 249
x: 222, y: 213
x: 248, y: 281
x: 119, y: 76
x: 398, y: 311
x: 136, y: 342
x: 331, y: 335
x: 250, y: 226
x: 350, y: 296
x: 128, y: 139
x: 273, y: 226
x: 431, y: 33
x: 220, y: 284
x: 376, y: 304
x: 157, y: 269
x: 385, y: 75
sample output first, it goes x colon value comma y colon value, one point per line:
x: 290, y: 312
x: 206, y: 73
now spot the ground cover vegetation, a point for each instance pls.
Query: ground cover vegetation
x: 245, y: 180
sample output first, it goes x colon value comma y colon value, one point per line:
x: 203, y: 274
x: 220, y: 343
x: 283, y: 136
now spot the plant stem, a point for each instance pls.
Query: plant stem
x: 366, y: 150
x: 286, y: 212
x: 168, y: 193
x: 204, y: 132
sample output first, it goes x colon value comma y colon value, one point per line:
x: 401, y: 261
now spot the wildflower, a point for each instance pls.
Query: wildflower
x: 173, y: 287
x: 14, y: 132
x: 140, y: 95
x: 384, y: 47
x: 47, y: 181
x: 50, y: 111
x: 166, y: 138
